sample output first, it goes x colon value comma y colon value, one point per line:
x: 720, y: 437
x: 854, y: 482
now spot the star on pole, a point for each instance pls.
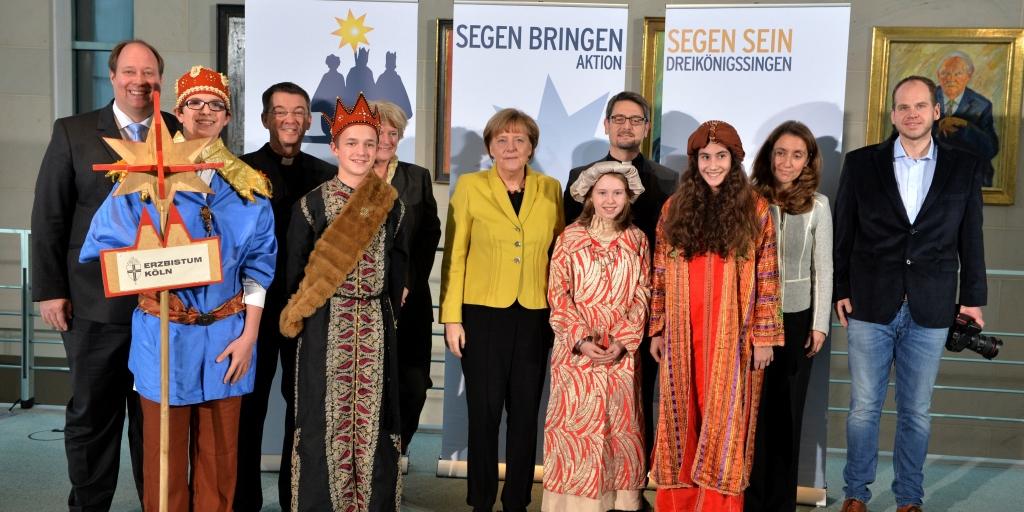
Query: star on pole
x: 352, y: 31
x: 145, y: 165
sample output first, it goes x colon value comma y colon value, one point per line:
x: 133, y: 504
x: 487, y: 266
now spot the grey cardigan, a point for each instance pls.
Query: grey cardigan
x: 805, y: 261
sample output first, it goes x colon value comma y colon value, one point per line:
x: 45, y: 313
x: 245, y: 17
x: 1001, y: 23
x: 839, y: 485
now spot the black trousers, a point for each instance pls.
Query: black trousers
x: 504, y: 363
x: 101, y: 392
x: 269, y: 345
x: 414, y: 343
x: 773, y: 477
x: 648, y: 383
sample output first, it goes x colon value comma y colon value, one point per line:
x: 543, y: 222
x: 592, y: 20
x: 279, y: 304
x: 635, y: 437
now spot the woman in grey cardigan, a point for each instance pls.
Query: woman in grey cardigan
x: 786, y: 171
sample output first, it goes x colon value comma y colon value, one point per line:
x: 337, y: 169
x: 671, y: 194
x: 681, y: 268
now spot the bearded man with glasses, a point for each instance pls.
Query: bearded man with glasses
x: 292, y: 174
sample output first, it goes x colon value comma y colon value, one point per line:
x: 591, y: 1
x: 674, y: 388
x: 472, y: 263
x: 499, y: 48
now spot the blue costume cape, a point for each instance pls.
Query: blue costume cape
x: 248, y: 248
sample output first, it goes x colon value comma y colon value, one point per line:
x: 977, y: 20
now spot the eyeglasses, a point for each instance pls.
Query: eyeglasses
x: 633, y: 120
x: 944, y: 74
x: 215, y: 105
x: 282, y: 113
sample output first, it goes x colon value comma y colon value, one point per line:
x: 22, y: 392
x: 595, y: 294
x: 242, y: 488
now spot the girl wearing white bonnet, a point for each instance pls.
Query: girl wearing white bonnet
x: 598, y: 290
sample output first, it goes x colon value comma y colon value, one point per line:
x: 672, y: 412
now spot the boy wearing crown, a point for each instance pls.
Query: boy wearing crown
x: 213, y: 328
x: 346, y: 266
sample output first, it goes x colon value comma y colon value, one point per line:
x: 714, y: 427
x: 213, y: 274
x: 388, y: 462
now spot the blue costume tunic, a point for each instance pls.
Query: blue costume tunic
x: 248, y: 249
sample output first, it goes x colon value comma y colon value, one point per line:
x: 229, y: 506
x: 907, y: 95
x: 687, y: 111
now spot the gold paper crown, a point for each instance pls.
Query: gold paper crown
x: 361, y: 113
x: 201, y: 79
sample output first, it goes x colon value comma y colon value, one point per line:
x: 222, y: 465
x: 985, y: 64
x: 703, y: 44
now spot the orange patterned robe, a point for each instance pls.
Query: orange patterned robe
x: 593, y: 436
x: 711, y: 311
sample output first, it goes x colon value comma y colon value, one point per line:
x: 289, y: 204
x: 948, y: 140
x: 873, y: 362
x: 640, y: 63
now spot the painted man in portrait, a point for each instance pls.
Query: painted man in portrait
x: 966, y: 121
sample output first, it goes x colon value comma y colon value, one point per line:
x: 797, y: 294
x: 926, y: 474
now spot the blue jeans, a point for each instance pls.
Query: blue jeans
x: 874, y: 349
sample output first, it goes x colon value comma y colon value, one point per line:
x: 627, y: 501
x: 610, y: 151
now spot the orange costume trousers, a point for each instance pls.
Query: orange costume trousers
x: 205, y: 434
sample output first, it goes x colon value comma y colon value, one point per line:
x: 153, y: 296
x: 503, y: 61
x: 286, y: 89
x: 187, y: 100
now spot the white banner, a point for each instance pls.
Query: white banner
x: 557, y: 63
x: 755, y: 66
x: 331, y: 49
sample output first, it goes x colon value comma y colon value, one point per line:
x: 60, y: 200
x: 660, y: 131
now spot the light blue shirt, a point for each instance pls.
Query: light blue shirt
x: 913, y: 177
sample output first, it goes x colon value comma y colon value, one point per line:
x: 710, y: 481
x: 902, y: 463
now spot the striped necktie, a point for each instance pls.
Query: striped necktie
x: 137, y: 131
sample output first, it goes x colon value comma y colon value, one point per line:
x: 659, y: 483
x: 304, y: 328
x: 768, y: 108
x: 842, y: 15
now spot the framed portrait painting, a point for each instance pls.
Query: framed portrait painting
x: 231, y: 62
x: 978, y: 73
x: 653, y: 70
x: 443, y: 60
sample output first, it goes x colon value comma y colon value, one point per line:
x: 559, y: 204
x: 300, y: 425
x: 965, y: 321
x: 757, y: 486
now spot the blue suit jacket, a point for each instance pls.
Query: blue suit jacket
x: 979, y: 136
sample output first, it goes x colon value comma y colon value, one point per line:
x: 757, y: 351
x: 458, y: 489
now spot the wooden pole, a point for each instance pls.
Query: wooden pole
x: 165, y: 410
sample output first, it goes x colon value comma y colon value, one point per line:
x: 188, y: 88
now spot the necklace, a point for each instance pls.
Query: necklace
x: 602, y: 230
x: 518, y: 187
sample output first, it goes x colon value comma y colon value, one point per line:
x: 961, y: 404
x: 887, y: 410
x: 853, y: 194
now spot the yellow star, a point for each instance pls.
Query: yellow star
x: 352, y: 31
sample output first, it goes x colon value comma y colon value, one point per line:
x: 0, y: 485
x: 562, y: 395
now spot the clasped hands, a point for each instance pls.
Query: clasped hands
x: 598, y: 355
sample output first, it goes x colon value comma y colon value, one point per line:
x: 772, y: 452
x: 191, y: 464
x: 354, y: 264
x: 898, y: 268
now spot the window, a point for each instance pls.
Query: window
x: 97, y: 26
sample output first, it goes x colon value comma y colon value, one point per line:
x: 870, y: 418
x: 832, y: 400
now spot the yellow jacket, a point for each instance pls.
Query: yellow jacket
x: 492, y: 257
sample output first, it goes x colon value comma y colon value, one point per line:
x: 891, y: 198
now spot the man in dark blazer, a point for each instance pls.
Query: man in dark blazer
x: 96, y: 330
x: 908, y: 217
x: 966, y: 122
x: 627, y: 121
x: 292, y: 174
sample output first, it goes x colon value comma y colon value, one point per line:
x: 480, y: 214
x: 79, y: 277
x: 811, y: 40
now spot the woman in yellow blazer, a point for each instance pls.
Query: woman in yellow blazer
x: 501, y: 224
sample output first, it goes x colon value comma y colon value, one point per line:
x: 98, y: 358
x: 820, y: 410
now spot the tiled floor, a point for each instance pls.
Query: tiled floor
x: 33, y: 475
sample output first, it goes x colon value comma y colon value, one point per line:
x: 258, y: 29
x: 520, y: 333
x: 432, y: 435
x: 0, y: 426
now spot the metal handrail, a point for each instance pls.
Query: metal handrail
x: 26, y: 394
x: 27, y: 340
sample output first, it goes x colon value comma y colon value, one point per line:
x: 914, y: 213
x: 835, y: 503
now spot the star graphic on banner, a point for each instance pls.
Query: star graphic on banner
x: 568, y: 139
x: 352, y: 31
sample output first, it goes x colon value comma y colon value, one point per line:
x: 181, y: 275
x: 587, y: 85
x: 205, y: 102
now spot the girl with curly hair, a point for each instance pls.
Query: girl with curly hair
x: 786, y: 172
x: 715, y: 317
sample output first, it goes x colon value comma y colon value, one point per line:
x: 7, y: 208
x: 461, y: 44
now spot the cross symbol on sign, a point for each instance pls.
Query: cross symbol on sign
x: 134, y: 271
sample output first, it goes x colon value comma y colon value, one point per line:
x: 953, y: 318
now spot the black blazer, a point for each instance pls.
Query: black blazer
x: 422, y: 229
x: 68, y: 193
x: 880, y: 257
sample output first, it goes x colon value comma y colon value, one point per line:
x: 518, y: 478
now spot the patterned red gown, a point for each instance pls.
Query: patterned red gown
x: 593, y: 441
x: 712, y: 312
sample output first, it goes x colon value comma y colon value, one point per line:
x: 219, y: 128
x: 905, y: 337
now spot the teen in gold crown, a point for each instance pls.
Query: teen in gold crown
x: 346, y: 266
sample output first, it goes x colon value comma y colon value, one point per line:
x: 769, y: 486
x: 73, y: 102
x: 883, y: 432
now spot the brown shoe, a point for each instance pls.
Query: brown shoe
x: 854, y: 505
x: 910, y: 508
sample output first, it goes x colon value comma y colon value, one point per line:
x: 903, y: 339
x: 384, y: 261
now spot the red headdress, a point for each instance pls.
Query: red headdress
x: 201, y: 79
x: 361, y: 113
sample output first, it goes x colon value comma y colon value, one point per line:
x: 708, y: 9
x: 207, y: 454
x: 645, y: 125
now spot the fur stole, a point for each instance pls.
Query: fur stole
x: 339, y: 248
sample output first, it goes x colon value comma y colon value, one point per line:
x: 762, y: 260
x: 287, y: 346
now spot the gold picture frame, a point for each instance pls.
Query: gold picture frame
x: 443, y: 101
x: 650, y: 81
x: 987, y: 118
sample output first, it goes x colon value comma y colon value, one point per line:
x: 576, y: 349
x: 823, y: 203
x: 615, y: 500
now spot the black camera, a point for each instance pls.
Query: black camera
x: 966, y: 333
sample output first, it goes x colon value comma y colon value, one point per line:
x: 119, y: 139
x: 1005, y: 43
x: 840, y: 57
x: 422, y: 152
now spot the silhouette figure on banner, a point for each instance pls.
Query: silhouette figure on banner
x: 360, y: 79
x: 332, y: 86
x: 387, y: 87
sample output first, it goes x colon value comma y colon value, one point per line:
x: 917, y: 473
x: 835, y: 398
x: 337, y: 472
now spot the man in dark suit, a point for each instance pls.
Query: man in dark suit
x: 96, y: 331
x: 292, y: 174
x: 966, y: 121
x: 908, y: 216
x: 627, y: 121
